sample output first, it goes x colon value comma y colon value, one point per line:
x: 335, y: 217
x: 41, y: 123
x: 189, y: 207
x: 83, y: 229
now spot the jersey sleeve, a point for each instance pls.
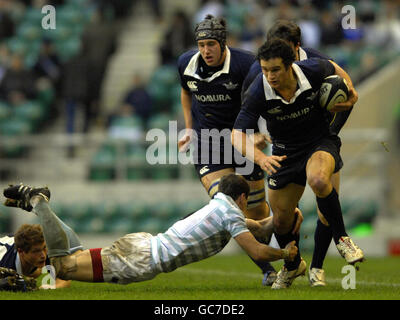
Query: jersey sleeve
x: 316, y: 70
x: 254, y: 71
x: 248, y: 62
x: 253, y: 101
x: 235, y: 223
x: 181, y: 64
x: 312, y: 53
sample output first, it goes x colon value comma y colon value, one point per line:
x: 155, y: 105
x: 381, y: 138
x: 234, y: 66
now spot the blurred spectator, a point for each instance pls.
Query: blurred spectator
x: 138, y: 100
x: 310, y: 29
x: 7, y: 26
x: 178, y: 38
x: 48, y: 64
x: 214, y: 7
x: 74, y: 89
x: 331, y: 29
x: 18, y: 83
x: 157, y: 11
x: 252, y: 35
x: 125, y: 126
x: 4, y: 60
x: 392, y: 22
x: 285, y: 11
x: 98, y: 44
x: 119, y: 9
x: 368, y: 66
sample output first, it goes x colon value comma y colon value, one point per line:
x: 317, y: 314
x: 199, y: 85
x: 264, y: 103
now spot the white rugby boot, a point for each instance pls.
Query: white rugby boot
x: 285, y: 278
x: 350, y: 251
x: 316, y: 277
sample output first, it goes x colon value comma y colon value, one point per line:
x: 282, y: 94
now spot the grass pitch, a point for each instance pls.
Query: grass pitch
x: 236, y: 278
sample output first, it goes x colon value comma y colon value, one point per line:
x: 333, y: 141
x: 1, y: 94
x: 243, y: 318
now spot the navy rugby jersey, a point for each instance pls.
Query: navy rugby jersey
x: 295, y: 124
x: 216, y: 100
x: 336, y: 120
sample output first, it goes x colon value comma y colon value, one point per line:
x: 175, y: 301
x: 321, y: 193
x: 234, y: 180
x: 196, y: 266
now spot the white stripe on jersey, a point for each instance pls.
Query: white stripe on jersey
x: 5, y: 240
x: 200, y: 235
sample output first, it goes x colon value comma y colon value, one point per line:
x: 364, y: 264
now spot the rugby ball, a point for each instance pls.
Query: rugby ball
x: 333, y: 90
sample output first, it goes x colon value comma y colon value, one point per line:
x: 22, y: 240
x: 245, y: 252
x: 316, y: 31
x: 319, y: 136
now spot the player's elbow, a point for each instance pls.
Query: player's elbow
x: 236, y: 137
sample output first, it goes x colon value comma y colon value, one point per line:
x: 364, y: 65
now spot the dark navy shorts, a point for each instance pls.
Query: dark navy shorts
x: 293, y: 169
x: 222, y: 158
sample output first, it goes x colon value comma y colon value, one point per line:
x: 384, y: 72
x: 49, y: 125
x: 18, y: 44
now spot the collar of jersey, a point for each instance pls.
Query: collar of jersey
x: 226, y: 198
x: 302, y: 81
x: 194, y: 62
x: 302, y: 54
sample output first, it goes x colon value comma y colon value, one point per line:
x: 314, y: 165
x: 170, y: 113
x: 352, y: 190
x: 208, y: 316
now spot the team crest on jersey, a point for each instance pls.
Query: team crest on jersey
x: 204, y: 169
x: 192, y: 85
x: 230, y: 85
x: 312, y: 96
x: 275, y: 110
x: 272, y: 182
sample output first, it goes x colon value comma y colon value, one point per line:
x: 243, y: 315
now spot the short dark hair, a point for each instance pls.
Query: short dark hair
x: 277, y: 48
x: 233, y: 185
x: 27, y: 236
x: 286, y: 30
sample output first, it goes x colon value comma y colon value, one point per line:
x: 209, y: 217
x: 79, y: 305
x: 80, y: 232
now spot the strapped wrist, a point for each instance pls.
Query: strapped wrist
x: 285, y: 254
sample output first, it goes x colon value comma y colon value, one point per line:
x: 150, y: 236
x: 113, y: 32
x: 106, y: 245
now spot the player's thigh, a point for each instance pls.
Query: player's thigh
x: 257, y: 207
x: 335, y: 180
x: 211, y: 180
x: 283, y: 202
x: 319, y: 170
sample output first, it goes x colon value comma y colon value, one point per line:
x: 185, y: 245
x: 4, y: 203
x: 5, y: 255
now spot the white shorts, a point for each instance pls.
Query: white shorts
x: 128, y: 259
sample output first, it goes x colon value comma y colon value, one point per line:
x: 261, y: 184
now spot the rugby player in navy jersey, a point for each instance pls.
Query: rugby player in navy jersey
x: 211, y: 79
x: 304, y: 149
x: 291, y: 32
x: 26, y: 253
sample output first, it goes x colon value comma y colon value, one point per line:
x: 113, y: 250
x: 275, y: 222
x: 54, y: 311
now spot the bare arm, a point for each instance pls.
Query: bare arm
x: 62, y: 283
x: 246, y: 147
x: 261, y: 228
x: 353, y: 95
x: 263, y: 252
x: 186, y: 101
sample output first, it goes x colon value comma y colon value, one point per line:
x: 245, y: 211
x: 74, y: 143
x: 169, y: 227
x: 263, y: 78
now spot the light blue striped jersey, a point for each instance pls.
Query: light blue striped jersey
x: 199, y: 236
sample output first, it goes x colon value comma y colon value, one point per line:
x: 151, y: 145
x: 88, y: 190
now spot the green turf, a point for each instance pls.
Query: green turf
x: 236, y: 278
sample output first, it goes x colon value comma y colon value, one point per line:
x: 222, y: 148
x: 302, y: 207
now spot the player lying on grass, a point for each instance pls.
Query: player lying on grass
x: 141, y: 256
x: 25, y: 252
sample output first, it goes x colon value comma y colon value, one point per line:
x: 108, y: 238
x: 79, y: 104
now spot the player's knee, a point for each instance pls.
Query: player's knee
x: 281, y: 226
x: 319, y: 183
x: 64, y: 266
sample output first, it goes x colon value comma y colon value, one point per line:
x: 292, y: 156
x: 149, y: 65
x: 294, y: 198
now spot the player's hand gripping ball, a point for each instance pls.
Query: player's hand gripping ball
x: 333, y: 90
